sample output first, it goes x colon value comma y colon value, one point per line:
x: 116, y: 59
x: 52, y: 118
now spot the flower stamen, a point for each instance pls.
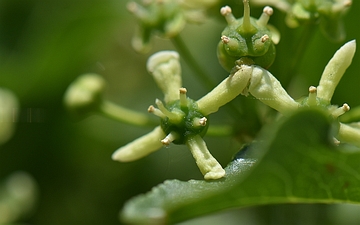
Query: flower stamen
x: 199, y: 122
x: 265, y: 16
x: 227, y: 13
x: 183, y: 98
x: 170, y: 138
x: 312, y: 96
x: 265, y: 38
x: 340, y: 111
x: 173, y: 116
x: 156, y: 112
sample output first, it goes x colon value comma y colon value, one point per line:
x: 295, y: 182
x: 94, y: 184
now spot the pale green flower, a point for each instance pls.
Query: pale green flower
x: 183, y: 120
x: 328, y: 13
x: 266, y: 88
x: 84, y: 97
x: 165, y: 18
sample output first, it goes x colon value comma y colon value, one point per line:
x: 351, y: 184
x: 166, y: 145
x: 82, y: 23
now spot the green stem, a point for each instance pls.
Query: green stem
x: 125, y: 115
x: 220, y: 130
x: 300, y: 49
x: 209, y: 83
x: 190, y: 60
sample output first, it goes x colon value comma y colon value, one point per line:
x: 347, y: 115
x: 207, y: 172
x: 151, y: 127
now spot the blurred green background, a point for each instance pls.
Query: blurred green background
x: 45, y: 45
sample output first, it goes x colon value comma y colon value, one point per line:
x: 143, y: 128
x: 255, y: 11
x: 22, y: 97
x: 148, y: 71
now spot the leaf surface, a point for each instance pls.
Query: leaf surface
x: 293, y: 162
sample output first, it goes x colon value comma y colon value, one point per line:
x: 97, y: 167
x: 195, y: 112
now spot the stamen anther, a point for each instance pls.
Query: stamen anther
x: 197, y: 122
x: 183, y: 98
x: 341, y: 110
x: 265, y: 38
x: 225, y: 39
x: 312, y: 96
x: 156, y: 112
x: 265, y: 16
x: 169, y: 138
x: 227, y: 13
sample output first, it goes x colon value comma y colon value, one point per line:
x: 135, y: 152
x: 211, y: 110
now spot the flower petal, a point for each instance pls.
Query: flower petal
x: 349, y: 133
x: 226, y: 91
x: 335, y: 69
x: 207, y: 164
x: 140, y: 147
x: 266, y: 88
x: 165, y: 67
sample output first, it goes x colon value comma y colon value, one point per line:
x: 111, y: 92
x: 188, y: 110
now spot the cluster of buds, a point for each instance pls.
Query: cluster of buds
x: 165, y: 18
x: 328, y: 13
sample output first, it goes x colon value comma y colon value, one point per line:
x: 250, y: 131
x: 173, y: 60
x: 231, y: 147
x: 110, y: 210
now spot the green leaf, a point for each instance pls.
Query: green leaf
x: 295, y: 163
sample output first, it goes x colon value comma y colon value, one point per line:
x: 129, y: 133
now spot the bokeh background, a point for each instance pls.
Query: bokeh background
x: 45, y: 45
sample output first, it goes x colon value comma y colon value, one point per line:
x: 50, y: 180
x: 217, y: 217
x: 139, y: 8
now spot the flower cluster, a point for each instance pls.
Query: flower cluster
x: 183, y: 120
x: 265, y: 87
x: 246, y: 49
x: 165, y: 18
x: 328, y: 13
x: 247, y: 40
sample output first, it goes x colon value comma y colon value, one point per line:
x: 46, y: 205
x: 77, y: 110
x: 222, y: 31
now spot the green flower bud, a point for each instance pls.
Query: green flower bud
x: 165, y: 68
x: 191, y: 123
x: 18, y: 195
x: 162, y: 17
x: 84, y: 95
x: 247, y: 40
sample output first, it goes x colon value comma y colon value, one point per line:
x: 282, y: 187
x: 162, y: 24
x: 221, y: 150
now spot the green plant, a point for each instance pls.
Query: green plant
x: 276, y: 166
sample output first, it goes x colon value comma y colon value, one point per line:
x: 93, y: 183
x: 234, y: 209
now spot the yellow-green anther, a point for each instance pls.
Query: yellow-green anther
x: 265, y: 87
x: 172, y: 136
x: 165, y: 68
x: 349, y: 133
x: 183, y: 98
x: 334, y: 70
x: 226, y: 91
x: 312, y: 101
x: 140, y: 147
x: 340, y: 111
x: 174, y: 116
x: 207, y: 164
x: 265, y: 16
